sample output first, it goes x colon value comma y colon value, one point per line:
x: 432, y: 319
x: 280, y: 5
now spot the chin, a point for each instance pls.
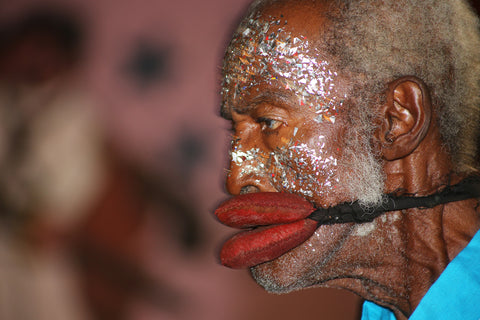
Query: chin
x: 304, y: 266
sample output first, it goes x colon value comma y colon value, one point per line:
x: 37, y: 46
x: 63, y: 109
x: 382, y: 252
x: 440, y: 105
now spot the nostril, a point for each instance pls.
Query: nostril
x: 249, y: 189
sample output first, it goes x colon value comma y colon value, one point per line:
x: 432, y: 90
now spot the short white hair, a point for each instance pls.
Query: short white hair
x: 437, y: 41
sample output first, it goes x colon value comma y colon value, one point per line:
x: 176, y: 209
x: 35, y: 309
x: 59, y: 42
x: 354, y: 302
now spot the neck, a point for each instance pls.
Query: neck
x: 409, y: 249
x: 429, y: 238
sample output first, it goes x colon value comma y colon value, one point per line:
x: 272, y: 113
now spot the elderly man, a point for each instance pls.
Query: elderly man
x: 366, y: 114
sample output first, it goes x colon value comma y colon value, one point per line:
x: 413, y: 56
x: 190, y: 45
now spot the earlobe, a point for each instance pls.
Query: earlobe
x: 406, y: 117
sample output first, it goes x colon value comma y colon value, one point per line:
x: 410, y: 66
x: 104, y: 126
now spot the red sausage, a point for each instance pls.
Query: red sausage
x: 249, y: 248
x: 265, y: 208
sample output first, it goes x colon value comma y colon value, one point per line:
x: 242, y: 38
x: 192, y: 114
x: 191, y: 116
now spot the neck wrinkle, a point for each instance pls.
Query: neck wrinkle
x: 423, y: 172
x: 459, y: 229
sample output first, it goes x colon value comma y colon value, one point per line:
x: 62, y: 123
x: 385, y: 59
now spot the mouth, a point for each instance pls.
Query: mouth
x: 278, y: 222
x: 273, y: 223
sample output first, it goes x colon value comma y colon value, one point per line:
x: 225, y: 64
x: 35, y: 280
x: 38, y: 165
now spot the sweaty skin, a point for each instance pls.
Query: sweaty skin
x: 286, y: 103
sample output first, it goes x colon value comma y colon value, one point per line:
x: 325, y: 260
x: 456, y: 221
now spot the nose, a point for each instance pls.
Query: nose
x: 248, y: 170
x: 240, y: 182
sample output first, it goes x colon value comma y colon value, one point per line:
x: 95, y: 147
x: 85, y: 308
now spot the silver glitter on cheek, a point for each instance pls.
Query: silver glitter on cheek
x: 306, y: 170
x: 297, y: 168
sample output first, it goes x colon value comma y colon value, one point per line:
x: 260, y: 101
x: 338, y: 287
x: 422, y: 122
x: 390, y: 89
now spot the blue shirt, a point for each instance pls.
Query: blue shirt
x: 455, y: 294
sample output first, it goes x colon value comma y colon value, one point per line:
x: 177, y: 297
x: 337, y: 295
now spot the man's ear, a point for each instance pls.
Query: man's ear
x: 405, y: 117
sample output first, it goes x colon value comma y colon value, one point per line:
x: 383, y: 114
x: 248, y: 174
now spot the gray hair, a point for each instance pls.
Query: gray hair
x: 437, y: 41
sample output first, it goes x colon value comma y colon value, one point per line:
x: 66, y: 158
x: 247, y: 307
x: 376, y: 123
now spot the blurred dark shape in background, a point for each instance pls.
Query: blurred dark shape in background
x: 108, y: 244
x: 476, y: 5
x: 149, y: 64
x: 56, y: 163
x: 42, y: 45
x: 50, y: 161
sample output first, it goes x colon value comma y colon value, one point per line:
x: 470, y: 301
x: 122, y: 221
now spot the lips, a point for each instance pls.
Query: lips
x: 275, y: 223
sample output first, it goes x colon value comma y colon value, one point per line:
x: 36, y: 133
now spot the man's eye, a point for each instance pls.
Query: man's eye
x: 268, y: 124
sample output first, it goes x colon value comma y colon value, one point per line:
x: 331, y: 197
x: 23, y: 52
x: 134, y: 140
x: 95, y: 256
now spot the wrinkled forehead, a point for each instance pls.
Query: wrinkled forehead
x: 280, y: 50
x: 260, y: 37
x: 278, y: 30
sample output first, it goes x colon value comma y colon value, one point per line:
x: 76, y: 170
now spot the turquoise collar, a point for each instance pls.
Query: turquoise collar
x: 455, y: 294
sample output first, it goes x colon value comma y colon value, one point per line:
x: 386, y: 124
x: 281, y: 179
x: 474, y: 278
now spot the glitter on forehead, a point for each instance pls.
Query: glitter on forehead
x: 262, y: 52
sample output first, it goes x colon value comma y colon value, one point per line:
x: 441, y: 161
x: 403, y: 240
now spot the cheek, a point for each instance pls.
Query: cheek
x: 306, y: 169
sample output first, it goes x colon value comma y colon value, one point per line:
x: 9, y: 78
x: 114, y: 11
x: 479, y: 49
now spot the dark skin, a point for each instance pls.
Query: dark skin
x: 394, y: 260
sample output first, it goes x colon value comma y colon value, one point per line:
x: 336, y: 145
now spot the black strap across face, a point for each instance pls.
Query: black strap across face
x: 353, y: 212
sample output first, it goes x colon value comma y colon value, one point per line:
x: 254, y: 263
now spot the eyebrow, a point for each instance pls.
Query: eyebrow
x: 273, y: 97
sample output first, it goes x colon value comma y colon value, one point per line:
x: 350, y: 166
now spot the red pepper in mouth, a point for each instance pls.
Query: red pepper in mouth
x: 279, y: 220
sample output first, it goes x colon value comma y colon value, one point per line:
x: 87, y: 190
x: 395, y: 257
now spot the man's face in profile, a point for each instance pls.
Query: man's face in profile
x: 287, y: 105
x: 283, y: 99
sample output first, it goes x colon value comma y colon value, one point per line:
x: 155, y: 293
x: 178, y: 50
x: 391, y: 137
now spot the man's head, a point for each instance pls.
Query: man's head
x: 276, y: 59
x: 338, y: 101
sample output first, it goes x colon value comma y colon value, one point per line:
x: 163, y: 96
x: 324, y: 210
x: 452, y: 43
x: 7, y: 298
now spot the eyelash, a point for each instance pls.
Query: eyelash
x: 268, y: 124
